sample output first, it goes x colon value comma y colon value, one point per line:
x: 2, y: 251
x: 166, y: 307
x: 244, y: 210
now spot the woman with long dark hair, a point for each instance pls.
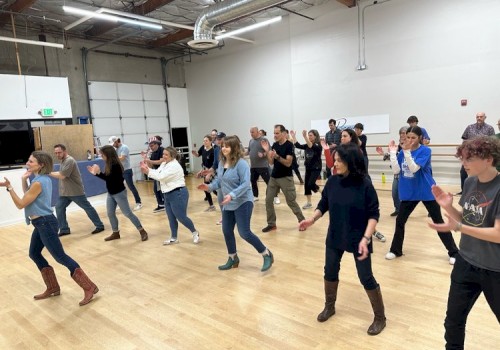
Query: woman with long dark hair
x: 313, y: 164
x: 170, y: 175
x: 117, y: 193
x: 233, y: 179
x: 413, y: 165
x: 38, y: 211
x: 353, y: 208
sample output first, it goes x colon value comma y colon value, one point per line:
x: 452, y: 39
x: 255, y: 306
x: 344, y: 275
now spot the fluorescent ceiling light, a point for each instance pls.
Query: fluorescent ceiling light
x: 31, y: 42
x: 249, y: 28
x: 111, y: 18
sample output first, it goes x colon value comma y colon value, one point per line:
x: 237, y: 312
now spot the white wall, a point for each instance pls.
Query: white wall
x: 423, y: 57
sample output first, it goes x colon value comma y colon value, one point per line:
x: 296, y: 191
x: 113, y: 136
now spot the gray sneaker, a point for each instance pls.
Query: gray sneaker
x: 379, y: 236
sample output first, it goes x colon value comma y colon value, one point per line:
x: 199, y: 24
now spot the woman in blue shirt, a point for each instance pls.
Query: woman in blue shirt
x: 38, y: 211
x: 415, y: 182
x: 233, y: 179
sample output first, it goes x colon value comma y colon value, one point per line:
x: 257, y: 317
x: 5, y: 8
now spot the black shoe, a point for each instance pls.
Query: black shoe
x: 269, y: 228
x: 395, y: 213
x: 159, y: 209
x: 64, y: 233
x: 97, y: 230
x: 458, y: 193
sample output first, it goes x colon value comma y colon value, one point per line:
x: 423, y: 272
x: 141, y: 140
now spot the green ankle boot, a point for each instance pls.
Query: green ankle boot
x: 268, y: 261
x: 231, y: 263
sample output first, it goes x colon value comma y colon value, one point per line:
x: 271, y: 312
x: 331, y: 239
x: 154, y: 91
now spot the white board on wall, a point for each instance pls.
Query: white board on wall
x: 23, y: 96
x: 373, y: 124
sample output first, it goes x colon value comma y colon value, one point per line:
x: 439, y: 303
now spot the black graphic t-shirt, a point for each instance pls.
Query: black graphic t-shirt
x: 481, y: 207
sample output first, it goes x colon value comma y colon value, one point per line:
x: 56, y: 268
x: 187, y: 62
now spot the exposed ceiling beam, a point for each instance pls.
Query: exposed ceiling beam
x: 149, y: 6
x: 348, y: 3
x: 18, y: 6
x: 172, y: 38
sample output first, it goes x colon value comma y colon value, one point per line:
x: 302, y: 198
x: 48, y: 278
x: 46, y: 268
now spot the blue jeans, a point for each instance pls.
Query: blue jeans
x: 467, y: 284
x: 240, y: 217
x: 395, y: 192
x: 364, y: 267
x: 82, y: 202
x: 158, y: 193
x: 176, y: 203
x: 121, y: 200
x: 128, y: 175
x: 45, y: 236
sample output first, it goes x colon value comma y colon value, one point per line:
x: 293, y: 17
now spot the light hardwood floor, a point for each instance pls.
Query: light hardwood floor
x: 174, y: 297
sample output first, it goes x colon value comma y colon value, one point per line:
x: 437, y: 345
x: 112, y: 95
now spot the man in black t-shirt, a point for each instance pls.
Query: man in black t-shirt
x: 281, y: 155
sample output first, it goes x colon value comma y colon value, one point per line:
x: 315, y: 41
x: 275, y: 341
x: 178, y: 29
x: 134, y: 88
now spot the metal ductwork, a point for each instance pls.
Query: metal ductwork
x: 224, y: 12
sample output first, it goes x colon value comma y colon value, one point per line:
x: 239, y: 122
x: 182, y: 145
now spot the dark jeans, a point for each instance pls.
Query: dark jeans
x: 405, y: 209
x: 45, y: 236
x: 176, y: 203
x: 254, y: 176
x: 241, y: 218
x: 129, y: 179
x: 310, y: 181
x: 395, y: 192
x: 82, y: 202
x: 463, y: 176
x: 158, y: 193
x: 364, y: 268
x: 467, y: 283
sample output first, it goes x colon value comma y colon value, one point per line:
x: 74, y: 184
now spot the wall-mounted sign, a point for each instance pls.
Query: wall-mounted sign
x: 47, y: 112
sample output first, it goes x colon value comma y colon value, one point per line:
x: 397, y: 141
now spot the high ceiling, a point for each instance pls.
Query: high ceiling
x: 34, y: 17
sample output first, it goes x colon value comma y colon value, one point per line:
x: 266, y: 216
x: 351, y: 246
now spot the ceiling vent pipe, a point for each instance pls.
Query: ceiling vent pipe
x: 223, y: 12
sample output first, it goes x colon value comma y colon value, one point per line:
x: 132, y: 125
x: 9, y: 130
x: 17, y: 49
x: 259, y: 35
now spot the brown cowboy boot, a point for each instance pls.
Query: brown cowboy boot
x: 378, y: 324
x: 144, y: 234
x: 114, y: 235
x: 49, y: 277
x: 89, y: 288
x: 330, y: 298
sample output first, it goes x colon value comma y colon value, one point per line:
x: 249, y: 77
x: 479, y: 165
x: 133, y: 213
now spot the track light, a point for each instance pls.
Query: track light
x: 249, y: 28
x: 31, y: 42
x: 111, y: 18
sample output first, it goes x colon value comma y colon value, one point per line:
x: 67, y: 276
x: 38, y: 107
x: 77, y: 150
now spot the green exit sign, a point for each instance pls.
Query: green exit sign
x: 47, y: 112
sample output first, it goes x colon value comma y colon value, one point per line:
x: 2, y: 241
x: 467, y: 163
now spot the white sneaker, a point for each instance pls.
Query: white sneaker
x: 379, y: 236
x: 452, y: 260
x: 219, y: 222
x: 390, y: 256
x: 277, y: 200
x: 255, y: 199
x: 307, y: 206
x: 196, y: 237
x: 171, y: 241
x: 138, y: 206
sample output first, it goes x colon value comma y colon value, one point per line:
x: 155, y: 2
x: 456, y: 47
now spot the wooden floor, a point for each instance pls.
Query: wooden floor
x: 174, y: 297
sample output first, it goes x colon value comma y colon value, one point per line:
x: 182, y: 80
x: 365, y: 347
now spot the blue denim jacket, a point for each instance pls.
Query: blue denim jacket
x: 234, y: 181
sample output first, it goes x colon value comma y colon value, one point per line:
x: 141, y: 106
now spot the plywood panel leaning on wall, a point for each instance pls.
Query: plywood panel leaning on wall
x: 78, y: 139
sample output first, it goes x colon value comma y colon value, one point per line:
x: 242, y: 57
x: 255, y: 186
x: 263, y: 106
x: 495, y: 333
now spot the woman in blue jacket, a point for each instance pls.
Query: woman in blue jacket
x: 233, y: 179
x: 413, y: 165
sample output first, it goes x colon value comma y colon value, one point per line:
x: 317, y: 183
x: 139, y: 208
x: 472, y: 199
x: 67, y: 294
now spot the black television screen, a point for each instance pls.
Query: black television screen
x: 15, y: 147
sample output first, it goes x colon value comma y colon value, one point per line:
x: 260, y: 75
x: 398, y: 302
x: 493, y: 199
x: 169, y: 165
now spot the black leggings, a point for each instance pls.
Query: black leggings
x: 310, y: 181
x: 405, y: 209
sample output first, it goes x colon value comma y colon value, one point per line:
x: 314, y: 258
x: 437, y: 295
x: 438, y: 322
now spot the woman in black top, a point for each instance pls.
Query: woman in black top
x: 312, y: 150
x: 117, y: 194
x: 207, y: 160
x: 352, y: 204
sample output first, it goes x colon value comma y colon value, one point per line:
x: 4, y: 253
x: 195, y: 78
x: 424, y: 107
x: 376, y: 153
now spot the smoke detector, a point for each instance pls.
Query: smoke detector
x: 203, y: 43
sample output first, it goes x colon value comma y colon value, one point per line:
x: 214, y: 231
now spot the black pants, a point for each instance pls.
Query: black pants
x: 463, y: 176
x: 405, y: 209
x: 310, y: 181
x: 467, y: 283
x: 254, y: 176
